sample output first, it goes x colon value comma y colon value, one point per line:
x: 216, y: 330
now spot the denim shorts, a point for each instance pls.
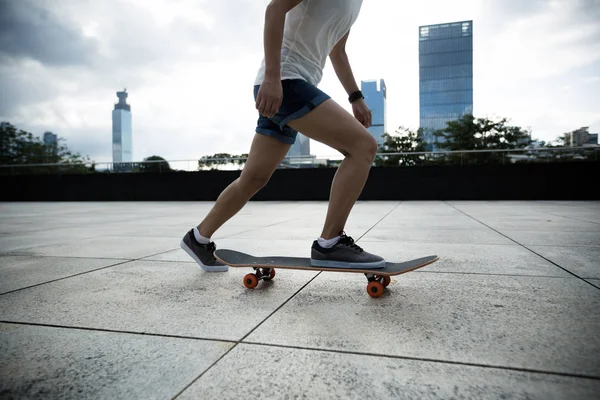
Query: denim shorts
x: 299, y: 98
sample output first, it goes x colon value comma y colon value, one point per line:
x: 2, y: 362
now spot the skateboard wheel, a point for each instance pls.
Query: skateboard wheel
x: 272, y: 274
x: 375, y: 289
x: 386, y: 281
x: 250, y: 281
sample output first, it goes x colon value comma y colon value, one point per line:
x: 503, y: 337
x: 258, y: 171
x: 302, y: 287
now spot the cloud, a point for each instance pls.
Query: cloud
x: 27, y: 31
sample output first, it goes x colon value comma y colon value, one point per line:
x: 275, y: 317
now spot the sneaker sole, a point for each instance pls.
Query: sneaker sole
x: 207, y: 268
x: 346, y: 264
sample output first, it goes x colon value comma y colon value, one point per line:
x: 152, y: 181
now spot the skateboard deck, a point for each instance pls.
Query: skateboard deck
x: 379, y: 278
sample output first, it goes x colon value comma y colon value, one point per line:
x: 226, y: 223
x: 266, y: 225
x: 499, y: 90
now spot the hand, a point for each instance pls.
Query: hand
x: 362, y: 112
x: 269, y: 97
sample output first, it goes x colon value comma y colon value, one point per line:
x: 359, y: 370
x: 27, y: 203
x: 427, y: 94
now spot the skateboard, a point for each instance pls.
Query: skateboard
x: 264, y: 268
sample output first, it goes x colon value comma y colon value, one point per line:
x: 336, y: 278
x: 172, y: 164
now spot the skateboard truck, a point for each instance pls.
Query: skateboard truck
x: 265, y: 274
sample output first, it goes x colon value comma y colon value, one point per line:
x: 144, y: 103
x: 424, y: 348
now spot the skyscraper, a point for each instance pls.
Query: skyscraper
x: 121, y: 132
x: 445, y: 75
x: 301, y: 148
x: 50, y: 139
x: 375, y: 97
x: 51, y: 144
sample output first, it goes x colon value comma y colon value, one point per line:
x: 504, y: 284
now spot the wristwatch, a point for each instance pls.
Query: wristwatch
x: 355, y: 96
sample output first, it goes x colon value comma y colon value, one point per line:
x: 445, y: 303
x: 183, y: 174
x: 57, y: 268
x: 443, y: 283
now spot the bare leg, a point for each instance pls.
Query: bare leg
x: 265, y: 155
x: 332, y: 125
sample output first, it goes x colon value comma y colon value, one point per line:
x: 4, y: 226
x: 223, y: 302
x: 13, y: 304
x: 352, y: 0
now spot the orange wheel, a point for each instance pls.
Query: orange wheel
x: 375, y: 289
x: 250, y: 281
x: 270, y: 276
x: 386, y: 281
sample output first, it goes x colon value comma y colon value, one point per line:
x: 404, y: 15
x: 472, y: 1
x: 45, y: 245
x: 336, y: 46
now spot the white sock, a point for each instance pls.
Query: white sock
x: 327, y: 243
x: 201, y: 239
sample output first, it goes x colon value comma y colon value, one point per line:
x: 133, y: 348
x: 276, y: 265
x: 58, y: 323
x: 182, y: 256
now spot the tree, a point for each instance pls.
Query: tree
x: 403, y: 141
x: 157, y: 164
x: 221, y: 159
x: 18, y: 147
x: 470, y: 133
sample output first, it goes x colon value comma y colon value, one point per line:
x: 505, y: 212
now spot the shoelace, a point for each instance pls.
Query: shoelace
x: 348, y: 241
x: 211, y: 247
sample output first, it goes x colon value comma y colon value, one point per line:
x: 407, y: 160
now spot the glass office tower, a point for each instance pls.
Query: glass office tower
x: 375, y: 96
x: 445, y: 75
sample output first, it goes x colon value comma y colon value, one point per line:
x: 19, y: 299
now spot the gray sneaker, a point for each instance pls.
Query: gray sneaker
x: 203, y: 254
x: 344, y: 254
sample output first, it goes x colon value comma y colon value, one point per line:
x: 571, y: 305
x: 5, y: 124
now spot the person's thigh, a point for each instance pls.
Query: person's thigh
x: 330, y: 124
x: 308, y: 110
x: 266, y: 153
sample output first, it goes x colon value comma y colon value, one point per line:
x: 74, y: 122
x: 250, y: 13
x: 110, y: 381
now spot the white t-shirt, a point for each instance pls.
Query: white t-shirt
x: 311, y: 30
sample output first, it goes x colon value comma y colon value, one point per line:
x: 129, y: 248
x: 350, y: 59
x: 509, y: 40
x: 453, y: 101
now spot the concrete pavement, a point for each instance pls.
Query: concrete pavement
x: 97, y: 300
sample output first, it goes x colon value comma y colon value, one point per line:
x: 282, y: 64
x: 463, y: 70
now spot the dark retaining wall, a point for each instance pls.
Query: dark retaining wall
x: 555, y: 181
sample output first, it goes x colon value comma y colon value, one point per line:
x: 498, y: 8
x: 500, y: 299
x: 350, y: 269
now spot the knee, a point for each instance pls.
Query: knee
x: 371, y: 148
x: 366, y: 148
x: 252, y: 183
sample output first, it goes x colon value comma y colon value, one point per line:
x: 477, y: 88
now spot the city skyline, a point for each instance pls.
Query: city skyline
x: 535, y: 63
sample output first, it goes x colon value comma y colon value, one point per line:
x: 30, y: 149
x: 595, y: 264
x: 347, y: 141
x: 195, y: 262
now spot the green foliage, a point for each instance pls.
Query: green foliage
x: 221, y: 159
x: 470, y: 133
x: 404, y: 140
x: 158, y: 164
x: 18, y: 147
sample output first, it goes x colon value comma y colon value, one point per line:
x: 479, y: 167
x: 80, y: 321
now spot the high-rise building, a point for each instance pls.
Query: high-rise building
x: 121, y: 130
x: 50, y: 139
x: 581, y: 137
x: 375, y: 97
x: 445, y: 75
x: 300, y: 149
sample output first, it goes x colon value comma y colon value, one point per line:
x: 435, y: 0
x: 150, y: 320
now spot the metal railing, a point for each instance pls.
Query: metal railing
x: 397, y: 159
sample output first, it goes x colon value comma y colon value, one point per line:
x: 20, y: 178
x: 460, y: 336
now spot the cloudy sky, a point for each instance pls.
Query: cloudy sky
x: 189, y: 66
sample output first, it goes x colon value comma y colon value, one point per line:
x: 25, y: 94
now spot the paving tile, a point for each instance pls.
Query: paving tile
x: 548, y: 324
x: 22, y: 271
x: 45, y: 362
x: 468, y: 258
x: 546, y: 238
x: 263, y: 372
x: 121, y: 247
x: 290, y: 232
x: 155, y: 297
x: 409, y: 222
x: 582, y: 261
x: 426, y: 208
x: 291, y: 248
x: 426, y: 235
x: 545, y: 223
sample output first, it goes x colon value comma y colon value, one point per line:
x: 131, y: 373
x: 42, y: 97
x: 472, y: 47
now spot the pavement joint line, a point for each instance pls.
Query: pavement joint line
x: 381, y: 219
x: 236, y: 342
x: 81, y: 273
x: 90, y: 329
x: 65, y: 277
x: 70, y: 257
x: 421, y: 271
x: 432, y: 360
x: 260, y: 227
x: 527, y: 248
x: 247, y: 334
